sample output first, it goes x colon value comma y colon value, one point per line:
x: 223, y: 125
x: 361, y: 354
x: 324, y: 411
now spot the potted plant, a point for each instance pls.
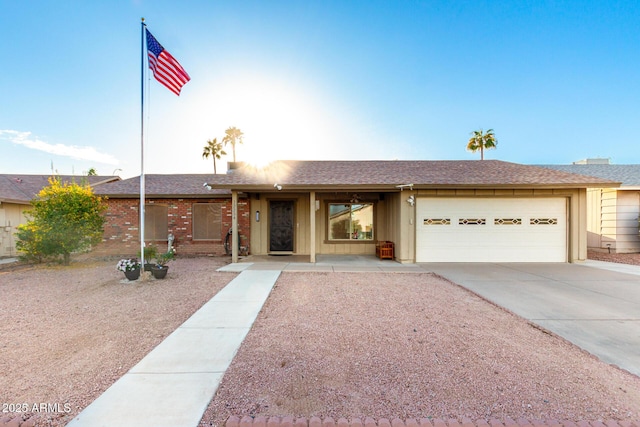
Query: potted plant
x: 130, y: 267
x: 150, y: 252
x: 159, y: 270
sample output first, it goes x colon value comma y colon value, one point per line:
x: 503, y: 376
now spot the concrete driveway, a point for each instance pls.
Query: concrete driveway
x: 596, y: 309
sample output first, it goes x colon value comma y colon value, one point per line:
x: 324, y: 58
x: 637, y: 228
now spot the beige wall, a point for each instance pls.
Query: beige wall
x: 594, y: 224
x: 395, y: 220
x: 11, y: 215
x: 302, y: 208
x: 627, y: 212
x: 608, y: 217
x: 382, y: 225
x: 613, y: 220
x: 260, y: 230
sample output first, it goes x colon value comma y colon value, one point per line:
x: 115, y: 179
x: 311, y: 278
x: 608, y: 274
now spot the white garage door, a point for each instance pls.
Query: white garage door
x: 491, y: 230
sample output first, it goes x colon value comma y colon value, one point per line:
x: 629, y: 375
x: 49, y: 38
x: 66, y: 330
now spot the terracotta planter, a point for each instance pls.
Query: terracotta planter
x: 132, y: 274
x: 159, y: 272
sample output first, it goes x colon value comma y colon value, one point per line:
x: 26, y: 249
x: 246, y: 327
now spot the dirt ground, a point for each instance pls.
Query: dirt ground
x: 633, y: 259
x: 406, y: 345
x: 68, y: 333
x: 380, y: 345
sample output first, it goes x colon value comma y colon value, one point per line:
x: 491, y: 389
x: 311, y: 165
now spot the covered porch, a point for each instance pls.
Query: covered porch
x: 308, y: 224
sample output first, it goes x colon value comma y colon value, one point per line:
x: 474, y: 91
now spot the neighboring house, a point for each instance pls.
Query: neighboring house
x: 179, y: 206
x: 16, y: 194
x: 433, y: 211
x: 612, y: 212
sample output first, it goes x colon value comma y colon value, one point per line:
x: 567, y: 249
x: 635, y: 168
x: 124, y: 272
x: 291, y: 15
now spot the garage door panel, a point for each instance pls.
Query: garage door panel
x: 491, y: 230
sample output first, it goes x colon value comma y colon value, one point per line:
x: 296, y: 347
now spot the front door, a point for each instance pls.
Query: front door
x: 281, y: 226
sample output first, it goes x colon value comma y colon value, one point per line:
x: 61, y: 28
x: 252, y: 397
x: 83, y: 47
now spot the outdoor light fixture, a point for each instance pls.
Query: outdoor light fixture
x: 257, y: 216
x: 403, y: 186
x: 207, y: 186
x: 411, y: 200
x: 277, y: 186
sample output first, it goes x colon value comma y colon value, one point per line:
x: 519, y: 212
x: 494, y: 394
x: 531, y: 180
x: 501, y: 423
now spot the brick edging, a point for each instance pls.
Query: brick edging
x: 262, y: 421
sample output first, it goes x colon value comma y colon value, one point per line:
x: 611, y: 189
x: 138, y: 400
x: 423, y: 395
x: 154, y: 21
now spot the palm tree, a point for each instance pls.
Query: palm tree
x: 233, y: 136
x: 481, y: 141
x: 213, y: 149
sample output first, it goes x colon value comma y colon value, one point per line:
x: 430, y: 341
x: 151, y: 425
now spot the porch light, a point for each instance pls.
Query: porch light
x: 403, y: 186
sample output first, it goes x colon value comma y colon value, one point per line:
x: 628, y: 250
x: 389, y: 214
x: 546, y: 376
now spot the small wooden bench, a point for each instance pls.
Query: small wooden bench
x: 384, y: 250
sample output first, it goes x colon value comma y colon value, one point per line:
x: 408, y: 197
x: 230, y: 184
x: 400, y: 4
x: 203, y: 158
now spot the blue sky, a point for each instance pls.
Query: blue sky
x: 558, y: 81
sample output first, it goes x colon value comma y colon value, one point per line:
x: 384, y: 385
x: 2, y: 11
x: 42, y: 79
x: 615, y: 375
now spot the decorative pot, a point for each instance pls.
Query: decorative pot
x: 159, y: 271
x: 132, y: 274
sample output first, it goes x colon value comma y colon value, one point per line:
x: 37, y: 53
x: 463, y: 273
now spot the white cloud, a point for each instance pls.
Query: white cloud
x: 75, y: 152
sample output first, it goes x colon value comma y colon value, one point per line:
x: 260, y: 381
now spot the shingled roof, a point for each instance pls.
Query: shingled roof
x: 386, y: 174
x: 157, y: 185
x: 628, y: 175
x: 24, y: 188
x: 380, y: 175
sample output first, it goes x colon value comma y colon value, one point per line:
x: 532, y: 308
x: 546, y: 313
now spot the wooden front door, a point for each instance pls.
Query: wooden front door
x: 281, y: 226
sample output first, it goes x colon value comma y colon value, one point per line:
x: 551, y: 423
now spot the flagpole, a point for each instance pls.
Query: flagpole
x: 142, y: 189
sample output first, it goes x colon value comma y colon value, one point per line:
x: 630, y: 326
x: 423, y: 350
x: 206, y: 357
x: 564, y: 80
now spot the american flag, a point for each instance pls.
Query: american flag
x: 166, y: 69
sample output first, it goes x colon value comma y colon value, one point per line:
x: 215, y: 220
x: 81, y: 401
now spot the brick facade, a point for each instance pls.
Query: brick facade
x: 121, y: 229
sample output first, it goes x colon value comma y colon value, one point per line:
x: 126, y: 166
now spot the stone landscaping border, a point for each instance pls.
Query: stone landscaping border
x: 262, y: 421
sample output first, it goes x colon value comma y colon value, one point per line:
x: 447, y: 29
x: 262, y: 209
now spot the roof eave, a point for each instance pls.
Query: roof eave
x: 167, y: 196
x: 15, y: 201
x: 253, y: 188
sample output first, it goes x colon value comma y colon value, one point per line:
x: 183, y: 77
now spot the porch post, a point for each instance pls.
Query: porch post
x: 235, y: 238
x: 312, y: 226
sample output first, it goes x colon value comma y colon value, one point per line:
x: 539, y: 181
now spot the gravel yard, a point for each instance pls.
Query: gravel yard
x: 325, y: 344
x: 68, y: 333
x: 406, y: 345
x: 633, y: 259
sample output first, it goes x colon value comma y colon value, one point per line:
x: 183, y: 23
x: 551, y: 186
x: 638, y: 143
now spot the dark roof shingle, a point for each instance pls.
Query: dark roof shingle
x: 362, y: 175
x: 24, y: 188
x: 628, y: 175
x: 158, y: 185
x: 449, y: 173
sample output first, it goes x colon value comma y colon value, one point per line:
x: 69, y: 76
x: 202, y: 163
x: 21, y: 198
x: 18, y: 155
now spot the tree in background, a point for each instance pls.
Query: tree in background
x: 482, y: 141
x: 66, y: 218
x: 213, y: 149
x: 92, y: 172
x: 233, y: 136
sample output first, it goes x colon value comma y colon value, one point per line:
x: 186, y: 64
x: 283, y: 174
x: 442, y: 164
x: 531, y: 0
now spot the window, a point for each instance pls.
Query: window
x: 543, y: 221
x: 472, y: 221
x: 156, y: 222
x: 351, y: 221
x: 207, y: 221
x: 507, y: 221
x: 437, y: 221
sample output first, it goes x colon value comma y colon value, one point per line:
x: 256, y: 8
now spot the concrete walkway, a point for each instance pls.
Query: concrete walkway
x: 329, y: 263
x: 591, y: 304
x: 173, y: 385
